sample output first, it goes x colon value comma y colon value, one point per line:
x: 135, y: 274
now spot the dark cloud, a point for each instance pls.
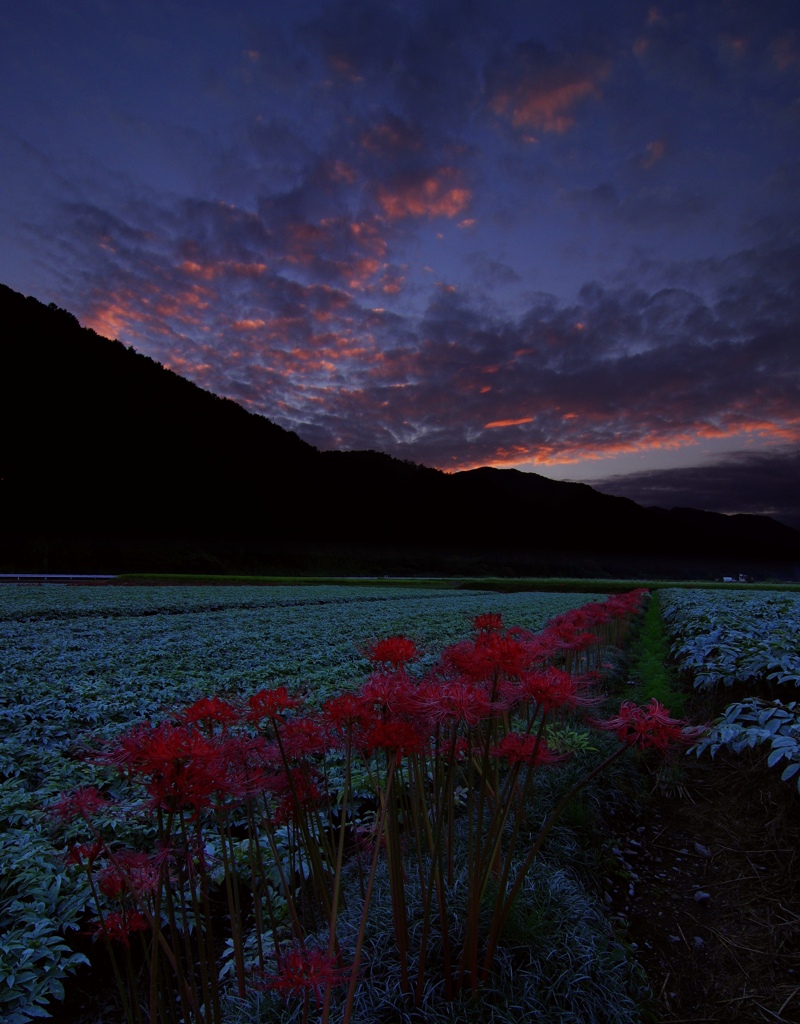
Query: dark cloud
x: 759, y: 483
x: 643, y: 207
x: 491, y: 272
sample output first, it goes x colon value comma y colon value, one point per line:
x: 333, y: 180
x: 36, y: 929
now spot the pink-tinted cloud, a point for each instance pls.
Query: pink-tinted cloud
x: 540, y: 91
x: 441, y: 193
x: 459, y: 389
x: 390, y: 137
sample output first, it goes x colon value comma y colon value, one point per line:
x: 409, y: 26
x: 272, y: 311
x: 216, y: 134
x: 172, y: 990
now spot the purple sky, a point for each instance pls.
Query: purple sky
x: 556, y: 236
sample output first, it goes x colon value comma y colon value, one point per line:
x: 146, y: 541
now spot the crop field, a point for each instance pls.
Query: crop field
x: 77, y: 659
x: 726, y: 638
x: 80, y: 665
x: 88, y: 670
x: 748, y: 643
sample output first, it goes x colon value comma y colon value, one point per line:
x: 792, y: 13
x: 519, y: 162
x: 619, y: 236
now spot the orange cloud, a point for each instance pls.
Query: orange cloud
x: 248, y: 325
x: 441, y: 194
x: 210, y: 271
x: 335, y: 241
x: 569, y: 451
x: 507, y: 423
x: 341, y: 172
x: 392, y: 283
x: 547, y: 101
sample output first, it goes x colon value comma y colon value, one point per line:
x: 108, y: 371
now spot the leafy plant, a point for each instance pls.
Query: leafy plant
x: 753, y: 722
x: 720, y: 639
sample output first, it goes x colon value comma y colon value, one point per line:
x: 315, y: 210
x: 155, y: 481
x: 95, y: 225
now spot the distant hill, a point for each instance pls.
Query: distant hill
x: 106, y: 456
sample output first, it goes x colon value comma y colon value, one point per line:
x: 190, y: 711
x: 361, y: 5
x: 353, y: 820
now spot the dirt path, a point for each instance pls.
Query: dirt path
x: 708, y: 883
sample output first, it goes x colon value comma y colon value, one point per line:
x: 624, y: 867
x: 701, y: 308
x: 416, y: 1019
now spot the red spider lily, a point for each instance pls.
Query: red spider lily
x: 569, y: 637
x: 82, y: 803
x: 131, y: 871
x: 648, y: 727
x: 210, y: 710
x: 364, y: 836
x: 459, y: 701
x: 489, y: 622
x: 142, y: 871
x: 456, y: 753
x: 620, y: 605
x: 303, y: 737
x: 517, y: 748
x: 243, y: 764
x: 397, y: 736
x: 296, y: 789
x: 553, y: 688
x: 346, y: 713
x: 84, y: 854
x: 305, y: 970
x: 540, y: 647
x: 396, y: 651
x: 489, y: 654
x: 270, y: 704
x: 390, y: 693
x: 589, y: 615
x: 111, y: 883
x: 119, y: 926
x: 182, y: 765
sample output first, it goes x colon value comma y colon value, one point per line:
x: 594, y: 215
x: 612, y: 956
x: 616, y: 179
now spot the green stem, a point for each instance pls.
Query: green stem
x: 351, y: 990
x: 500, y: 919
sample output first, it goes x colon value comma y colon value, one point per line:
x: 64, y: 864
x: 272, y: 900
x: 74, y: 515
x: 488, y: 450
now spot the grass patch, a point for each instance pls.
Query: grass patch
x: 503, y: 585
x: 649, y: 666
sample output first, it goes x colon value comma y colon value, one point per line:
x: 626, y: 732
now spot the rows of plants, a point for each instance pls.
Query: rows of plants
x: 267, y: 821
x: 355, y: 852
x: 84, y: 658
x: 750, y: 641
x: 80, y: 665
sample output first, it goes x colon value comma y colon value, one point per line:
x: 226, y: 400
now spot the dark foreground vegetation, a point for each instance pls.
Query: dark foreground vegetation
x: 665, y: 889
x: 109, y: 462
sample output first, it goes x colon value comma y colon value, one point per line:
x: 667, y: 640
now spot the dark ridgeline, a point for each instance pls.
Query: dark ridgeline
x: 109, y: 461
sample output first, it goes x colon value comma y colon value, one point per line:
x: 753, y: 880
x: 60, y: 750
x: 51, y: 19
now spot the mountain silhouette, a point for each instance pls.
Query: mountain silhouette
x: 109, y: 460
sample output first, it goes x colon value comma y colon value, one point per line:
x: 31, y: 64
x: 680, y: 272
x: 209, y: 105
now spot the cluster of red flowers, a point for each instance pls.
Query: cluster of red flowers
x: 649, y: 727
x: 84, y: 803
x: 304, y: 970
x: 519, y: 748
x: 487, y: 700
x: 119, y: 925
x: 204, y: 759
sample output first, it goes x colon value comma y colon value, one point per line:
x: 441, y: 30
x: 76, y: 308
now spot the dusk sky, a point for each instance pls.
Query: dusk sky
x: 557, y: 236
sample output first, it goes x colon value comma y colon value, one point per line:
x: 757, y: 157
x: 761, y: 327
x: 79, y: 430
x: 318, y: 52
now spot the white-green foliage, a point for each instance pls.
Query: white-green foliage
x: 559, y: 963
x: 78, y: 664
x: 722, y: 638
x: 38, y: 901
x: 727, y: 637
x: 83, y: 661
x: 753, y: 722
